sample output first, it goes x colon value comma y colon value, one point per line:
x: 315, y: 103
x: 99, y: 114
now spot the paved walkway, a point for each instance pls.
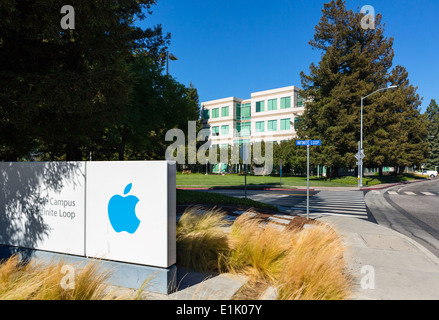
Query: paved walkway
x: 385, y: 264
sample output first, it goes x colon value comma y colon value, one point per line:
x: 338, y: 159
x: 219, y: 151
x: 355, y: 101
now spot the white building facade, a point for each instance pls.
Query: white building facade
x: 268, y: 115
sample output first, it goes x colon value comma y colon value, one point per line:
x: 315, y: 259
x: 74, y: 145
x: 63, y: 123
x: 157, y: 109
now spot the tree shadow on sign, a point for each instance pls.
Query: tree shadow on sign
x: 24, y: 190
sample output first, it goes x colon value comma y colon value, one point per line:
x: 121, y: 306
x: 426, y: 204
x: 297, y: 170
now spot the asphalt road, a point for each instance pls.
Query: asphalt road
x: 346, y: 203
x: 285, y: 198
x: 417, y: 212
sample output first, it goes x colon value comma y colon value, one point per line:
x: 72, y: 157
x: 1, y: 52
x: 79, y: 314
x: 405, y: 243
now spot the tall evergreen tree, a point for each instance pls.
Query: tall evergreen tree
x: 355, y: 62
x: 397, y: 131
x: 433, y: 134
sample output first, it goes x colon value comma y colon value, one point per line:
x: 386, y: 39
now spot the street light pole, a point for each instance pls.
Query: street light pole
x: 307, y: 182
x: 360, y: 167
x: 169, y: 56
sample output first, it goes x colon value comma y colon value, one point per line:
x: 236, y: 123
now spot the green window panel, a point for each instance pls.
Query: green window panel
x: 285, y: 124
x: 245, y: 130
x: 238, y: 111
x: 299, y: 101
x: 246, y: 111
x: 224, y: 111
x: 215, y: 113
x: 206, y: 114
x: 215, y: 131
x: 285, y: 103
x: 260, y: 106
x: 272, y: 125
x: 272, y: 104
x: 260, y: 126
x: 225, y: 130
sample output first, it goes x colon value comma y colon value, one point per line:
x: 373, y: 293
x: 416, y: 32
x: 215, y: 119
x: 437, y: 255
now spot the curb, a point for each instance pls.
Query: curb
x: 378, y: 187
x: 248, y: 188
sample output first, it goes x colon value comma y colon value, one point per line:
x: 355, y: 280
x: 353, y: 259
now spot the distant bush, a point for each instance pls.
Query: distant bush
x: 194, y: 197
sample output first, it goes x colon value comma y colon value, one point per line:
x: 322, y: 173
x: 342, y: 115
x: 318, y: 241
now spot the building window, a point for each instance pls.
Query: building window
x: 260, y: 106
x: 206, y: 114
x: 299, y: 101
x: 285, y: 124
x: 215, y: 113
x: 224, y: 111
x: 215, y: 131
x: 225, y: 130
x: 260, y: 126
x: 272, y: 104
x: 245, y: 129
x: 272, y: 125
x: 246, y: 111
x: 238, y: 111
x: 285, y: 103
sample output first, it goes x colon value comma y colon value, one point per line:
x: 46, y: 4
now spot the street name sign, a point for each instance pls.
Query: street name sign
x: 308, y: 142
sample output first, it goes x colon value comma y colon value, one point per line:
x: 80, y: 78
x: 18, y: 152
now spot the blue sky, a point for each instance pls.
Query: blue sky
x: 236, y: 47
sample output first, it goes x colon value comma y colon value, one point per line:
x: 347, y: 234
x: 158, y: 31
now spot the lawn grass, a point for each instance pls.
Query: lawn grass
x: 195, y: 197
x: 234, y: 180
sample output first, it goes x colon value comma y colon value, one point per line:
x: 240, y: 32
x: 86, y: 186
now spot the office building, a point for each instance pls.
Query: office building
x: 267, y: 115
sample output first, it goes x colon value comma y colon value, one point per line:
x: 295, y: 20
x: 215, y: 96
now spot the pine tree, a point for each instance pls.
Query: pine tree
x: 433, y: 134
x: 397, y: 131
x: 356, y: 62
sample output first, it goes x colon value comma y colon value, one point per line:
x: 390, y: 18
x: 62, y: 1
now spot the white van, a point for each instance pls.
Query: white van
x: 430, y: 173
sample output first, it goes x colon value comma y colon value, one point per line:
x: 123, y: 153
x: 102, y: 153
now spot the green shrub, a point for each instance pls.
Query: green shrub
x: 194, y: 197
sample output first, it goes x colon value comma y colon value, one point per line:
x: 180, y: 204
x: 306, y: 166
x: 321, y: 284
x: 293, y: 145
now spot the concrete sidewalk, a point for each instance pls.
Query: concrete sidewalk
x: 385, y: 264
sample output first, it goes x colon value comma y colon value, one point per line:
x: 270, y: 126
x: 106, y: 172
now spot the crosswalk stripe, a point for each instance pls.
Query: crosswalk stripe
x: 316, y: 213
x: 335, y: 212
x: 410, y: 193
x: 331, y: 208
x: 337, y: 215
x: 342, y: 204
x: 355, y: 204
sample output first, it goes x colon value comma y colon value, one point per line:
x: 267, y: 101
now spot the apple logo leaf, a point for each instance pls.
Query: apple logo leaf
x: 127, y: 188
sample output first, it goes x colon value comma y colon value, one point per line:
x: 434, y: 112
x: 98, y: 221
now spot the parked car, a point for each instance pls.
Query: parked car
x: 430, y: 173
